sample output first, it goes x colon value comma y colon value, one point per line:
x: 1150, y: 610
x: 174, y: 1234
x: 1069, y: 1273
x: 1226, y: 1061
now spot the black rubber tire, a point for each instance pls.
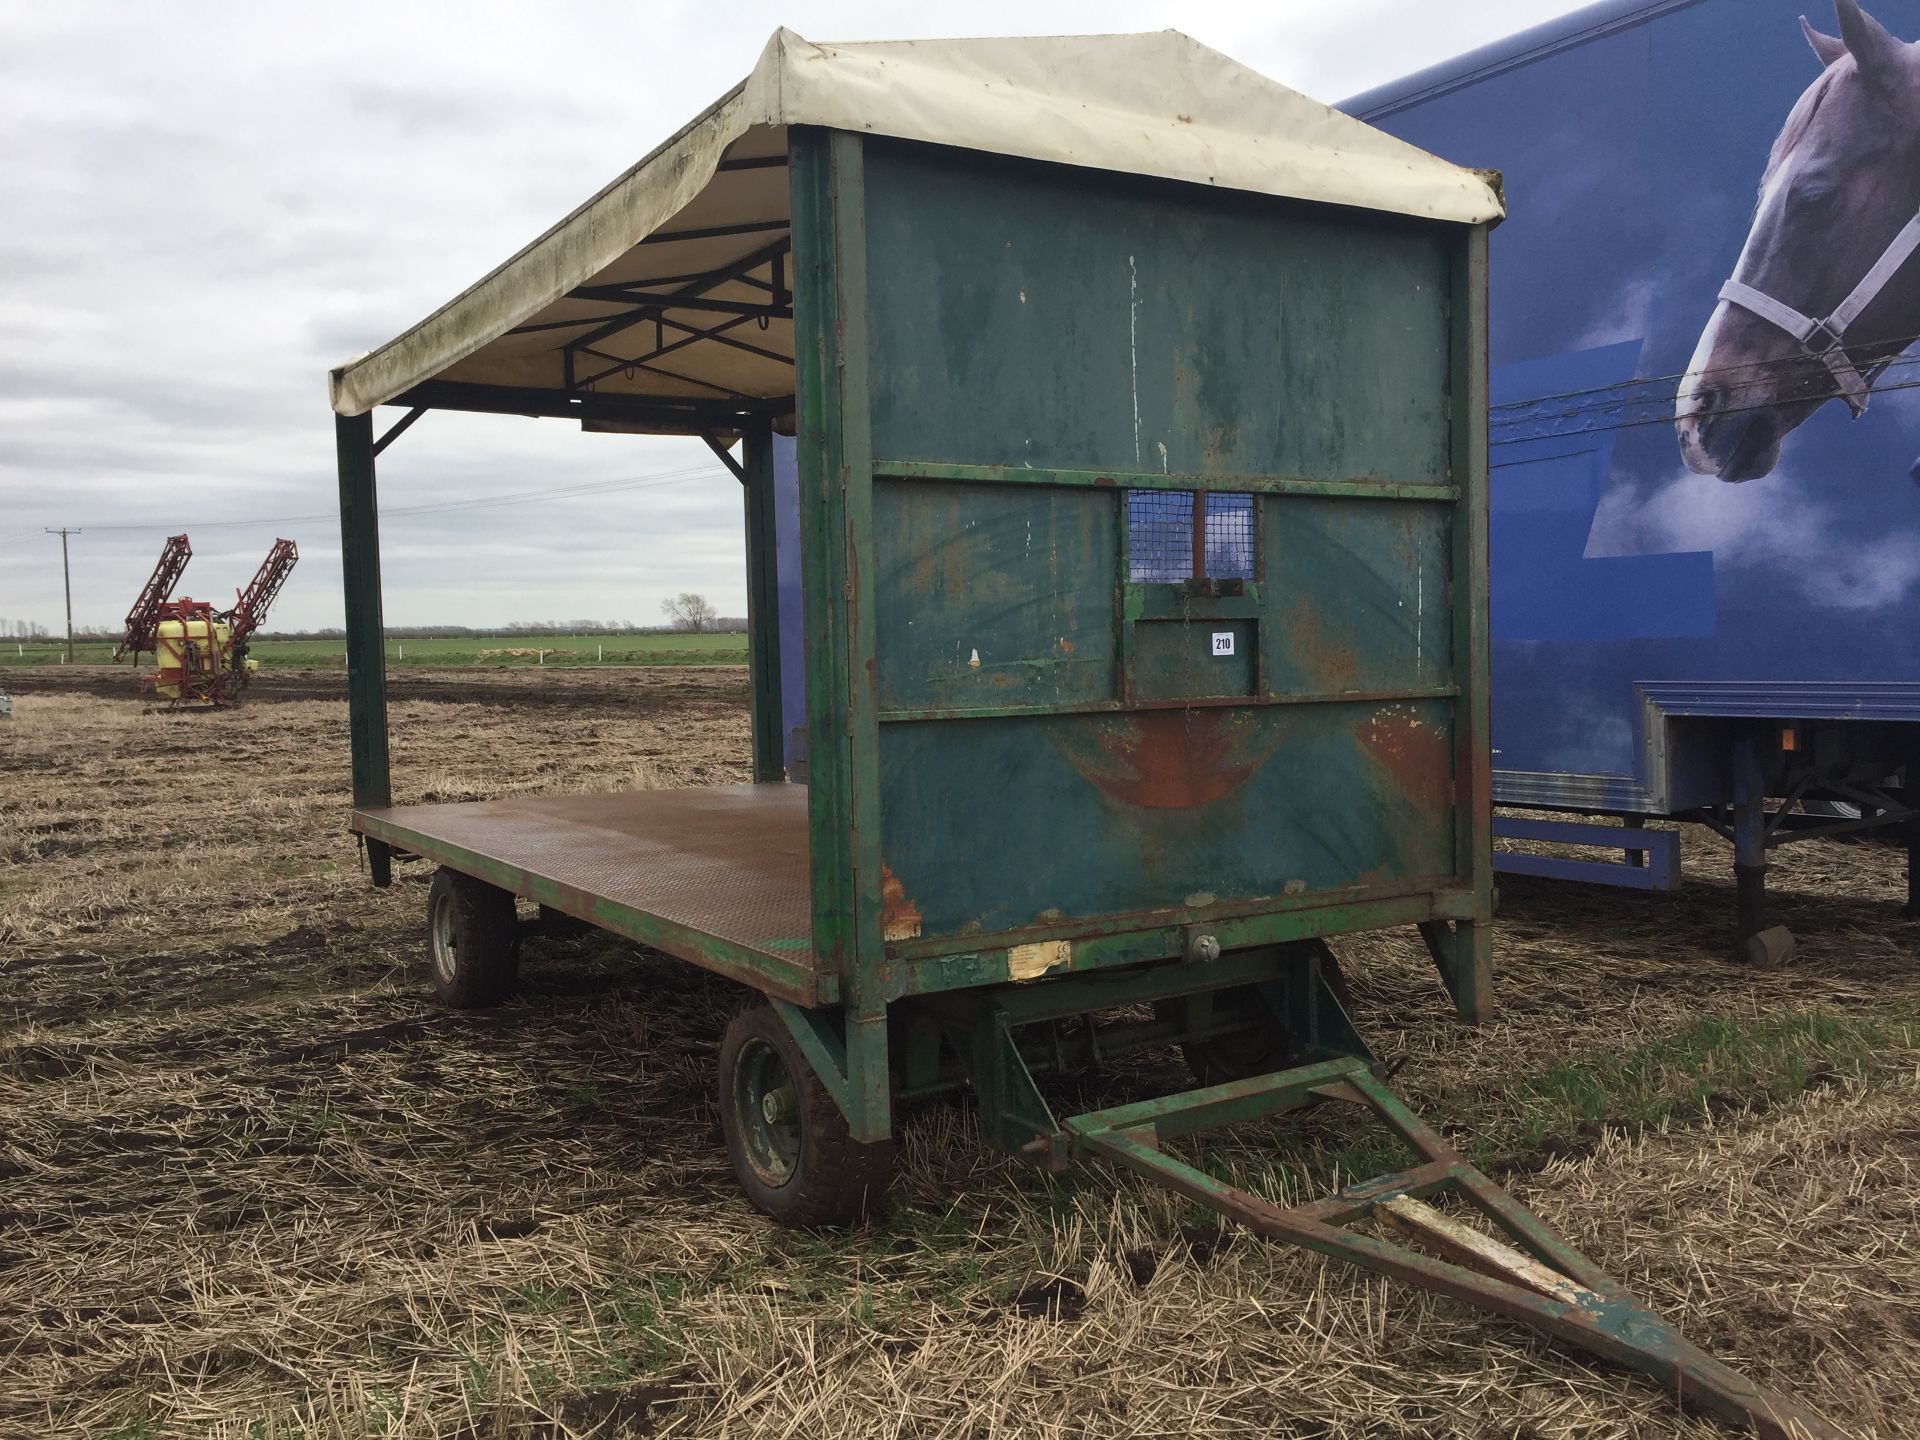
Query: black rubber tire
x: 473, y: 941
x: 829, y: 1178
x: 1266, y: 1049
x: 1245, y: 1054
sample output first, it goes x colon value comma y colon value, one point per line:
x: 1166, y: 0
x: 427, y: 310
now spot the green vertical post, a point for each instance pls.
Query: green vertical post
x: 1471, y: 977
x: 366, y: 657
x: 763, y: 603
x: 836, y: 507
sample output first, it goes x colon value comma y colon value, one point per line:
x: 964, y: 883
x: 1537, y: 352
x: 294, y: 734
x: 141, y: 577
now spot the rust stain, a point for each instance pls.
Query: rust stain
x: 899, y: 916
x: 1331, y: 666
x: 948, y: 557
x: 1172, y: 759
x: 1416, y: 754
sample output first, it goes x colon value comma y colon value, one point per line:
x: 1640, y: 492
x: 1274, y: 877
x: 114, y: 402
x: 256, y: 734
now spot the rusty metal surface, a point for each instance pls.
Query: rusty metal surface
x: 727, y: 861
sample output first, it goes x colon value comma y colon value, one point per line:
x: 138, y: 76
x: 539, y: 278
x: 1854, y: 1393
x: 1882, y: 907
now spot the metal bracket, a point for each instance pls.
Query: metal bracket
x: 1317, y: 1024
x: 1015, y: 1116
x: 821, y: 1042
x: 1013, y: 1113
x: 726, y: 456
x: 398, y: 428
x: 1462, y: 954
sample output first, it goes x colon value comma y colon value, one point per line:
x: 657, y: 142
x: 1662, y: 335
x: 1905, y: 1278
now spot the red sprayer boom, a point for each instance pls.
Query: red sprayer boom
x: 251, y: 607
x: 144, y: 619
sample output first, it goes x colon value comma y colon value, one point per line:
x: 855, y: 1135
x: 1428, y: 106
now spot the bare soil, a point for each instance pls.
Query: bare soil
x: 254, y: 1183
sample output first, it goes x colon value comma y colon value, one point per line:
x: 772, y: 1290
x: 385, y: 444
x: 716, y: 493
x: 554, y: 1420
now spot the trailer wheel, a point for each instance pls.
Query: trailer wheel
x: 473, y: 940
x: 1265, y: 1047
x: 1245, y: 1053
x: 786, y: 1138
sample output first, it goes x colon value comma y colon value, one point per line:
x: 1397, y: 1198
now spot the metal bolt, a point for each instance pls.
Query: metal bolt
x: 1203, y: 948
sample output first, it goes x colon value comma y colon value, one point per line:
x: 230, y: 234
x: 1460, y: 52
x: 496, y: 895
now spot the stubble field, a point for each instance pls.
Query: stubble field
x: 254, y: 1183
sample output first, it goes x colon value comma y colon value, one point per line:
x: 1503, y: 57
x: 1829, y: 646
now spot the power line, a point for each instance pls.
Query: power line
x: 1661, y: 396
x: 1779, y: 361
x: 1667, y: 419
x: 651, y: 481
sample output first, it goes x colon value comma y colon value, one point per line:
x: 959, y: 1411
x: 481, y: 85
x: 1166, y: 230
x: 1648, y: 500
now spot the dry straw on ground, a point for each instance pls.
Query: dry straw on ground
x: 252, y: 1183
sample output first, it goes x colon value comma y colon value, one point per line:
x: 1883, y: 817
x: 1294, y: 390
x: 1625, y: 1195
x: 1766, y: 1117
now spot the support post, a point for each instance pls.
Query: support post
x: 826, y: 176
x: 763, y: 602
x: 1464, y: 950
x: 1636, y: 858
x: 66, y: 580
x: 1910, y: 797
x: 1463, y: 954
x: 1749, y: 840
x: 1760, y: 945
x: 366, y: 650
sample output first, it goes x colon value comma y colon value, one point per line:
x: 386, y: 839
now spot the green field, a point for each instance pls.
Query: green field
x: 664, y: 649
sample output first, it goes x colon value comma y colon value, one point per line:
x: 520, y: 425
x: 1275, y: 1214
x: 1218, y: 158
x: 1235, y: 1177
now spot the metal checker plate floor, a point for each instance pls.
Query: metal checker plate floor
x: 728, y: 861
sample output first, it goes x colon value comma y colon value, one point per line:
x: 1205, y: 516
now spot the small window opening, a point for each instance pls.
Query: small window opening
x: 1189, y: 536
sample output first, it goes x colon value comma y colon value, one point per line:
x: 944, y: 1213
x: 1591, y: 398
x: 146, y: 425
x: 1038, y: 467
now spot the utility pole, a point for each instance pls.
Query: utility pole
x: 66, y: 577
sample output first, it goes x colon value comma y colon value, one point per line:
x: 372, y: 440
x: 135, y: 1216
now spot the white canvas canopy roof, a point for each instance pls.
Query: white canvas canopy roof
x: 670, y: 283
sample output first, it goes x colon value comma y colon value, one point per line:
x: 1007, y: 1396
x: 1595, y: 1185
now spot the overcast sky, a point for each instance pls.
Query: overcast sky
x: 208, y: 205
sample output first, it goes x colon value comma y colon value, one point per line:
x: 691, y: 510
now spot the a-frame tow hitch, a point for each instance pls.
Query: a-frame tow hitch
x: 1525, y: 1272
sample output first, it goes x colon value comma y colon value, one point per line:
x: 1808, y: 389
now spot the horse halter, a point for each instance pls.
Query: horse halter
x: 1826, y: 340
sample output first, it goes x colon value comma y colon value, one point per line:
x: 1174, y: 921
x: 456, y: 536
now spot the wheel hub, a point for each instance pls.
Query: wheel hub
x: 764, y: 1101
x: 444, y: 944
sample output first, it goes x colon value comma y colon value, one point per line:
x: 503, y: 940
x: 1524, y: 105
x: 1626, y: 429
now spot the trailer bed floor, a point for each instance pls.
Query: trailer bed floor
x: 719, y: 876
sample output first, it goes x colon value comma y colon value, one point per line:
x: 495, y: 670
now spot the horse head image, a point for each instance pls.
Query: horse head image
x: 1823, y: 296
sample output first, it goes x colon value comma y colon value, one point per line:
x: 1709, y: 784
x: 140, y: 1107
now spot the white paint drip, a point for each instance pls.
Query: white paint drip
x: 1161, y: 445
x: 1419, y: 612
x: 1133, y: 349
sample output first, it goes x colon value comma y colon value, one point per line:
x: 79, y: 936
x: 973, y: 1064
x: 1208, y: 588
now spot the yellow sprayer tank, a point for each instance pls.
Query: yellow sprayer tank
x: 190, y: 653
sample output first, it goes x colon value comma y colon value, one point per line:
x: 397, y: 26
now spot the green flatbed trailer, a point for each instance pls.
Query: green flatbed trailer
x: 1142, y: 500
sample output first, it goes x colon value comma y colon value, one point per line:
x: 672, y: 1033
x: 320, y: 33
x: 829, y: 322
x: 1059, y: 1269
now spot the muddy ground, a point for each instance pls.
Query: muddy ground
x: 254, y: 1183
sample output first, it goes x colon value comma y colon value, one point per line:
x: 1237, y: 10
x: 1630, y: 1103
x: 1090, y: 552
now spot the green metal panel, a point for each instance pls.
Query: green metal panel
x: 763, y: 604
x: 1026, y: 314
x: 991, y: 600
x: 1179, y: 657
x: 1005, y: 823
x: 1361, y: 595
x: 1041, y: 340
x: 366, y: 649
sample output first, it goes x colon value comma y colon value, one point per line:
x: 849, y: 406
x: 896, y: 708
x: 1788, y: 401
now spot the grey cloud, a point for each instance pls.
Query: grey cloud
x: 208, y: 205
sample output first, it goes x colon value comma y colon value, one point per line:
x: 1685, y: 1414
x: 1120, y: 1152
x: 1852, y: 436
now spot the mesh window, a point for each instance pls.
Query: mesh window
x: 1229, y: 537
x: 1160, y: 532
x: 1160, y: 535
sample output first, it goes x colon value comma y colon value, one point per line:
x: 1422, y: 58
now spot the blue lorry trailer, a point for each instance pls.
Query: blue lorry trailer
x: 1704, y: 422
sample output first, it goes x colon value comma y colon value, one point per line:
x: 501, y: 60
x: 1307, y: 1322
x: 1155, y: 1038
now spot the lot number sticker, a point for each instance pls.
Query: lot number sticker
x: 1223, y: 642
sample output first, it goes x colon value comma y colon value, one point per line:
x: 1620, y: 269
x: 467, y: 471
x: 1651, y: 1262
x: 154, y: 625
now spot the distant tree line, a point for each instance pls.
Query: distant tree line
x: 536, y: 628
x: 23, y: 630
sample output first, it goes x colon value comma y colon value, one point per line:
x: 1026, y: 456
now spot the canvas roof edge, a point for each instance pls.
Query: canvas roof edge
x: 1158, y: 104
